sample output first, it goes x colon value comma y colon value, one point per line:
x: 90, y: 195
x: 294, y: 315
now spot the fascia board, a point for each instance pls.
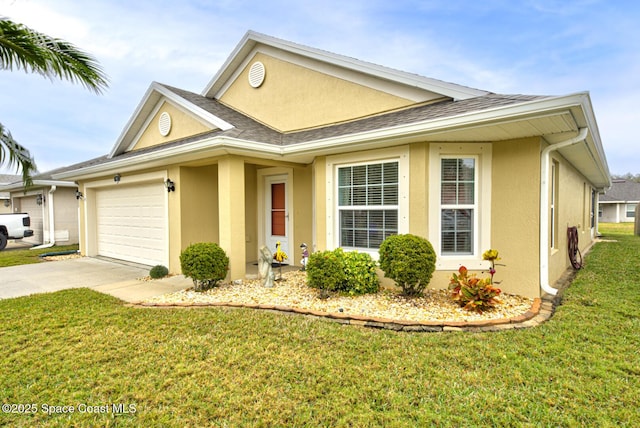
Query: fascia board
x: 152, y: 96
x: 211, y: 146
x: 250, y: 40
x: 36, y: 183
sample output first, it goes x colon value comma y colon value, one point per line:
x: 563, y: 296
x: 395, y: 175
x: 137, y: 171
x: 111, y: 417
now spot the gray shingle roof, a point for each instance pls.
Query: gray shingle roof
x: 246, y: 128
x: 622, y: 191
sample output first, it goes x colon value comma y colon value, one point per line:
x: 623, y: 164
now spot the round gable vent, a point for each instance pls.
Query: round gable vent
x: 256, y: 74
x: 164, y: 124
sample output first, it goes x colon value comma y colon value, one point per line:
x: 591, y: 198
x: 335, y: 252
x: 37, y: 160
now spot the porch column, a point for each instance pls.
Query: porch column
x: 231, y: 214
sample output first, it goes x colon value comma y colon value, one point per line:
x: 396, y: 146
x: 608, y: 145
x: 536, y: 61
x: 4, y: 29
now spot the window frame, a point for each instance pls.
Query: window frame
x: 458, y: 206
x: 632, y: 211
x: 334, y: 163
x: 382, y: 207
x: 482, y: 153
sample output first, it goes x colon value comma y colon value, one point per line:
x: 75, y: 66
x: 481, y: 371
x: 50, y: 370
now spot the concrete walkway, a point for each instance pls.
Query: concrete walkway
x: 106, y: 276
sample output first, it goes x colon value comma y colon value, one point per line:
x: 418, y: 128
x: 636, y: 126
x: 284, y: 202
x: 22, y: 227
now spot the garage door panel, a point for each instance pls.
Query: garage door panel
x: 132, y: 223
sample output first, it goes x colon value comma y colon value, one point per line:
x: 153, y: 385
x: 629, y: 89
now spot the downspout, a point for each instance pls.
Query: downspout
x: 545, y: 161
x: 52, y: 229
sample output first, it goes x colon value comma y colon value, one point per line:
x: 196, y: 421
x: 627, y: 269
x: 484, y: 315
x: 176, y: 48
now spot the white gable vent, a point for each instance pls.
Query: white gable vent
x: 256, y: 74
x: 164, y: 124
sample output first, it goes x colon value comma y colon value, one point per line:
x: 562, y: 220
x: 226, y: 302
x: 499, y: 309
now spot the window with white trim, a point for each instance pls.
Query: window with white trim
x: 367, y: 203
x: 631, y: 210
x: 459, y: 198
x: 458, y: 205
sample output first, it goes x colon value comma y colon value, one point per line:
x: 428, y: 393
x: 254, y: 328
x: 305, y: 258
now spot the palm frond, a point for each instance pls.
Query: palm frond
x: 14, y: 154
x: 32, y: 51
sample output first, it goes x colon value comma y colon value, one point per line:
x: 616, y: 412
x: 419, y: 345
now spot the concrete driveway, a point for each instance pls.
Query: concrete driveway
x: 106, y: 276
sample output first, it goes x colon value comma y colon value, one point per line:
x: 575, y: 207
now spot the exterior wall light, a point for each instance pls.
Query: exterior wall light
x: 40, y: 199
x: 7, y: 202
x: 116, y: 178
x: 79, y: 195
x: 170, y: 185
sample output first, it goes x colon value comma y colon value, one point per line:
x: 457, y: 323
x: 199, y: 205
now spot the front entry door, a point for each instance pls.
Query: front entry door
x: 277, y: 214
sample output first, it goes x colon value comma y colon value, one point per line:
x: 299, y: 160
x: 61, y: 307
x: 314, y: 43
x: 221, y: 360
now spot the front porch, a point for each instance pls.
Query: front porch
x: 242, y: 204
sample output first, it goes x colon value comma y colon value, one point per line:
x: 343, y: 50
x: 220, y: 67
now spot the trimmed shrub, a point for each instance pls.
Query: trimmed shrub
x: 348, y: 272
x: 325, y: 271
x: 205, y: 263
x: 409, y: 260
x: 158, y: 271
x: 360, y: 273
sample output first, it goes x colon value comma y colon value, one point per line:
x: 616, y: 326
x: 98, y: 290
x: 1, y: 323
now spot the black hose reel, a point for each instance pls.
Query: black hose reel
x: 574, y: 251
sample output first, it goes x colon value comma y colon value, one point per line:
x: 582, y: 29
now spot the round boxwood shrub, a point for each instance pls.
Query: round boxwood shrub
x: 205, y: 263
x: 325, y: 271
x: 158, y: 271
x: 409, y: 260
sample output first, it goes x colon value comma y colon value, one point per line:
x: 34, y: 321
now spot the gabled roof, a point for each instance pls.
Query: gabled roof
x: 253, y: 40
x: 150, y: 100
x: 622, y: 191
x: 462, y: 114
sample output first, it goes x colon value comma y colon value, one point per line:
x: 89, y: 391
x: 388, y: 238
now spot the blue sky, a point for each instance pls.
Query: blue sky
x: 544, y: 47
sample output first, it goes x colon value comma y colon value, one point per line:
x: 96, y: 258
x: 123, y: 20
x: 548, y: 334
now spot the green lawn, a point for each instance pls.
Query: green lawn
x: 226, y: 367
x: 28, y: 256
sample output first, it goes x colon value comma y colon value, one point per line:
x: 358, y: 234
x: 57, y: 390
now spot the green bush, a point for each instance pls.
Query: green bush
x: 348, y: 272
x: 205, y: 263
x: 158, y: 271
x: 409, y: 260
x: 325, y: 271
x: 360, y: 273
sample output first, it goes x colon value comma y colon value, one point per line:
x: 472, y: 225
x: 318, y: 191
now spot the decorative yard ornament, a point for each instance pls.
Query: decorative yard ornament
x: 265, y: 268
x: 305, y: 256
x: 280, y: 256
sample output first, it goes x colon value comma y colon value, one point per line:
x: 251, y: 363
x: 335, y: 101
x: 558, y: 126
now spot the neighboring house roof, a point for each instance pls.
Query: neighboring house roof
x: 6, y: 179
x: 622, y: 191
x: 44, y: 179
x: 459, y: 114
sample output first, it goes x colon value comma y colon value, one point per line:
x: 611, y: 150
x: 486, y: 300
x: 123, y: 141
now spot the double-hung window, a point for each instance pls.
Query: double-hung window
x: 458, y: 205
x: 367, y: 203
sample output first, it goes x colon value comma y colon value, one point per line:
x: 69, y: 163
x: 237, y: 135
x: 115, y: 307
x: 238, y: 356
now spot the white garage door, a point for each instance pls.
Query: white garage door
x: 29, y: 205
x: 132, y: 223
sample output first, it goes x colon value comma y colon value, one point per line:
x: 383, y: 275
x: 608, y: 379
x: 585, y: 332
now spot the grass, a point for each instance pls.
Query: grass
x: 226, y: 367
x: 29, y: 256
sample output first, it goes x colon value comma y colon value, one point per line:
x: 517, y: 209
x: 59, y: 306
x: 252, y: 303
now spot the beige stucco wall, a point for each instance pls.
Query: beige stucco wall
x: 182, y: 125
x: 319, y: 180
x: 574, y: 193
x: 515, y: 213
x: 198, y: 204
x: 294, y: 97
x: 66, y: 216
x: 303, y: 211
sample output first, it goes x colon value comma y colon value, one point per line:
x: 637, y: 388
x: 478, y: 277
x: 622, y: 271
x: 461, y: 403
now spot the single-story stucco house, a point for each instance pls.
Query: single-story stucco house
x: 618, y: 204
x: 294, y: 144
x: 48, y: 202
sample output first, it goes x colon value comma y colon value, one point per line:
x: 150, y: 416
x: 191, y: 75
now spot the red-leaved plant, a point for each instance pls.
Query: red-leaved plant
x: 473, y: 293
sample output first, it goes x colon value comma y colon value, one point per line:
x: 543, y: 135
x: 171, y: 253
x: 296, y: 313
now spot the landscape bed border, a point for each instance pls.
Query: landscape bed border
x: 541, y: 310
